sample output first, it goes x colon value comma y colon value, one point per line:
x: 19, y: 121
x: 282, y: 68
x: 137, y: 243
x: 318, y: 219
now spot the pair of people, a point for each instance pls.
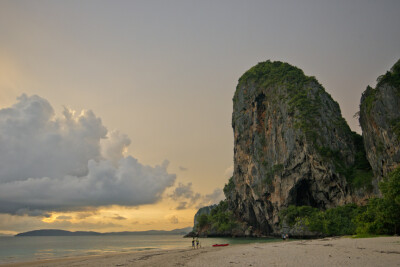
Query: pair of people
x: 285, y: 236
x: 197, y: 243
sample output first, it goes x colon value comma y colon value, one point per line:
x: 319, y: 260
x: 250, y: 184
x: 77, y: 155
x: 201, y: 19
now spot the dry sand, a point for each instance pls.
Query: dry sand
x: 382, y: 251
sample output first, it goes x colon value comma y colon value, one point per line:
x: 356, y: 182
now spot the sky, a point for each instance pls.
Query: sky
x: 116, y: 115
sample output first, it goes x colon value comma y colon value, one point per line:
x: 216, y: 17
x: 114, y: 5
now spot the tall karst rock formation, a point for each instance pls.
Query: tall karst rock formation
x: 291, y: 146
x: 380, y: 123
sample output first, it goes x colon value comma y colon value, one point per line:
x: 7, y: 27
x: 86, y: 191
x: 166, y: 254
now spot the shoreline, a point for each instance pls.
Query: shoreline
x: 341, y: 251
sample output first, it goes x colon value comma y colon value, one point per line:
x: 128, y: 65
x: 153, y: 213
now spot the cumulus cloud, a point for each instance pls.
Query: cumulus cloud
x: 72, y: 162
x: 188, y: 198
x: 185, y: 191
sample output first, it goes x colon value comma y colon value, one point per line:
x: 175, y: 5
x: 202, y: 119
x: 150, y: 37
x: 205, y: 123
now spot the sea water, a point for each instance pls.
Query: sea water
x: 30, y: 248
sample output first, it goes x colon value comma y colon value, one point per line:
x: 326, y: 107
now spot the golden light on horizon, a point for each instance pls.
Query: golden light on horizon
x: 160, y: 216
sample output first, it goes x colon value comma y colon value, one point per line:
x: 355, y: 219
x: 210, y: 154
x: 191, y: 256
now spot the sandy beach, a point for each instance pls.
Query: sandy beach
x: 381, y: 251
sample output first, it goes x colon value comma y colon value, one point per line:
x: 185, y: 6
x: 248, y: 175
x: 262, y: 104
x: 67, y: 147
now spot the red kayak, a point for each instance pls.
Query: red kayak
x: 220, y: 245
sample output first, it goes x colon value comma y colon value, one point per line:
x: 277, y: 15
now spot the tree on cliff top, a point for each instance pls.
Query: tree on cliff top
x: 391, y: 77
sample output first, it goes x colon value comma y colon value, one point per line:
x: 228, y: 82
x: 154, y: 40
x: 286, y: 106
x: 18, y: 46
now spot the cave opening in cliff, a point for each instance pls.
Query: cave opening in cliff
x: 301, y: 195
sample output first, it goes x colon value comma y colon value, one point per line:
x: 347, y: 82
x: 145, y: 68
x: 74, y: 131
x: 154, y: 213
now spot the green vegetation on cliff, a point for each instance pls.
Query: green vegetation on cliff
x: 396, y: 128
x: 379, y: 216
x: 369, y: 98
x: 303, y: 94
x: 269, y: 73
x: 229, y: 187
x: 391, y: 77
x: 219, y: 222
x: 358, y: 175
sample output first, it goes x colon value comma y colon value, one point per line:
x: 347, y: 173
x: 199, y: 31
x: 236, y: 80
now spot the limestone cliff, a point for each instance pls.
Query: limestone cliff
x: 291, y: 146
x: 380, y: 123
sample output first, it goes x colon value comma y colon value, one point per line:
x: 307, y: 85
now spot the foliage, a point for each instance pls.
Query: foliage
x: 339, y: 220
x: 292, y: 214
x: 359, y: 175
x: 272, y: 73
x: 382, y: 216
x: 369, y: 98
x: 372, y: 220
x: 379, y: 217
x: 304, y: 104
x: 229, y: 187
x: 202, y: 220
x: 395, y: 125
x: 334, y: 221
x: 390, y: 187
x: 361, y: 179
x: 220, y: 219
x: 391, y: 77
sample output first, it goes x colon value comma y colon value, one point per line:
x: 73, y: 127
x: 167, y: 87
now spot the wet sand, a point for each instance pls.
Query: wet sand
x: 381, y: 251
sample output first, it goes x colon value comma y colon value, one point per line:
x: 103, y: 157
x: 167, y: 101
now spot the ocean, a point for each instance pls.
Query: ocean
x: 30, y: 248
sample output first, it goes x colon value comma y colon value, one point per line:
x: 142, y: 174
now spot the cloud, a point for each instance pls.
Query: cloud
x: 33, y: 212
x: 84, y: 215
x: 185, y: 191
x: 215, y: 197
x: 173, y: 219
x: 63, y: 217
x: 69, y: 163
x: 188, y: 198
x: 182, y: 205
x: 183, y: 168
x: 118, y: 217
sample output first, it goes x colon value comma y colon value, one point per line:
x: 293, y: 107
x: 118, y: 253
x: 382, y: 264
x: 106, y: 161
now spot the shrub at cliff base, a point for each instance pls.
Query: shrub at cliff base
x: 382, y: 215
x: 335, y: 221
x: 379, y: 216
x: 219, y: 221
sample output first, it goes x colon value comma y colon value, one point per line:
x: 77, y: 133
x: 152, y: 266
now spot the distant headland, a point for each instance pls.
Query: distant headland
x: 58, y: 232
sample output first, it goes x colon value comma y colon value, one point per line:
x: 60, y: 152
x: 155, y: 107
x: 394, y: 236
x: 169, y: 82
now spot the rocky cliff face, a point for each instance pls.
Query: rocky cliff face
x: 291, y: 146
x: 380, y: 123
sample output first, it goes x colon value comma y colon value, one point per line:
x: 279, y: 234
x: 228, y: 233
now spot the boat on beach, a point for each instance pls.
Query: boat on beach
x: 220, y: 245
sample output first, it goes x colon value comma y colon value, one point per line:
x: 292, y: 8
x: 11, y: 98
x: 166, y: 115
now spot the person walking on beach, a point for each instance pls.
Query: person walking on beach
x: 193, y: 244
x: 197, y: 242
